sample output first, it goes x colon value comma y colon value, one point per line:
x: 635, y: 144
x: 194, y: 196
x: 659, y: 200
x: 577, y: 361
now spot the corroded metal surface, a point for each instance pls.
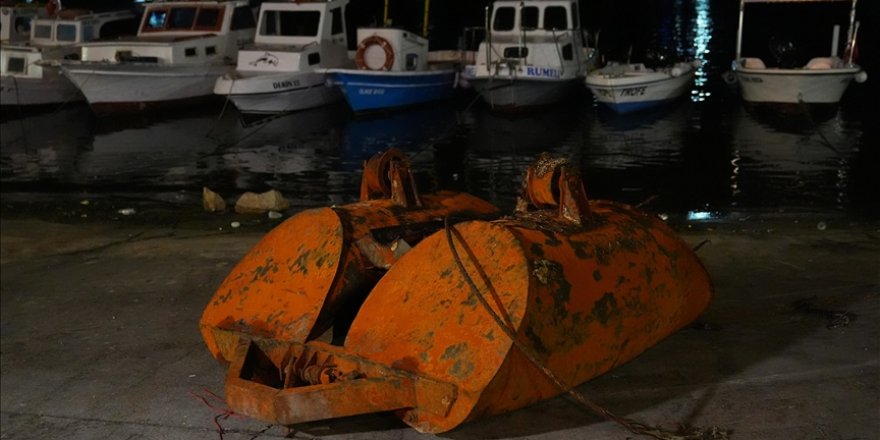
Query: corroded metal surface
x: 312, y: 271
x: 576, y: 288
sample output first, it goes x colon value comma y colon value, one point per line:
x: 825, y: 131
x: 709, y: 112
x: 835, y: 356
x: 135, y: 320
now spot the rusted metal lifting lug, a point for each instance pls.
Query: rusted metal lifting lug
x: 314, y: 385
x: 553, y: 183
x: 388, y: 176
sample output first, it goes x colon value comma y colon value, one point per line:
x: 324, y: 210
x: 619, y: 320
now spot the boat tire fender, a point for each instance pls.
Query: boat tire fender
x: 371, y: 41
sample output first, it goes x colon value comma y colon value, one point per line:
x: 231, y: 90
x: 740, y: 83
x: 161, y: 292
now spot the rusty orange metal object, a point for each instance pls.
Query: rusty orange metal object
x: 576, y: 288
x: 312, y: 271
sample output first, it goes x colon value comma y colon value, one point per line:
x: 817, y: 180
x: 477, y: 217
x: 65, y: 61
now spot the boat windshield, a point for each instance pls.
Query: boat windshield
x: 65, y: 32
x: 290, y: 23
x: 183, y: 18
x: 548, y: 18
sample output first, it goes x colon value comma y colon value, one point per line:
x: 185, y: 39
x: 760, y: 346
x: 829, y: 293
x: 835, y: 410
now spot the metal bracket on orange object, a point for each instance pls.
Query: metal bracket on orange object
x: 319, y: 381
x: 387, y: 175
x: 553, y: 182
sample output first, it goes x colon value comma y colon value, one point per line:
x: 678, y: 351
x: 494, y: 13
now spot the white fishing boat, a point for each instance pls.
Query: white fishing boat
x: 627, y: 87
x: 285, y: 68
x: 534, y: 54
x: 180, y: 50
x: 823, y: 79
x: 29, y: 72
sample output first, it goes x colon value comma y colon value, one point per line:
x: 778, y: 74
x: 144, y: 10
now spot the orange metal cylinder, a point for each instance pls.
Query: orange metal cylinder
x: 475, y: 319
x: 312, y: 271
x: 585, y: 300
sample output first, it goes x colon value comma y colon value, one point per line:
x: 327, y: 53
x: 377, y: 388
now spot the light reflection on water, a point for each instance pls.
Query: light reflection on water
x: 704, y: 154
x: 677, y: 154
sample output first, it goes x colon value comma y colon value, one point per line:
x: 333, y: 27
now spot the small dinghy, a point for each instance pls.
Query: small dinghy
x: 630, y: 87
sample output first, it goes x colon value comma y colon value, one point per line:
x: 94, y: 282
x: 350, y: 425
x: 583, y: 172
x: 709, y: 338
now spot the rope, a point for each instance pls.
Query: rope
x: 683, y: 433
x: 223, y: 413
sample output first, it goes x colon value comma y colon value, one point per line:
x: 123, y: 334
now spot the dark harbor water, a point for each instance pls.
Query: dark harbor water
x: 706, y: 155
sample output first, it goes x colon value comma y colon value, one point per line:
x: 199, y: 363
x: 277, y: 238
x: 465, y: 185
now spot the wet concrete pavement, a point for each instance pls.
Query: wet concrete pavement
x: 100, y: 338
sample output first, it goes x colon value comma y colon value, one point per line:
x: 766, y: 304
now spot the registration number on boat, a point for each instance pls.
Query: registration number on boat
x: 629, y: 91
x: 368, y: 91
x: 284, y: 84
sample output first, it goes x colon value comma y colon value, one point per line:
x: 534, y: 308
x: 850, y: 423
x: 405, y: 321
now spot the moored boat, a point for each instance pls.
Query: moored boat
x: 633, y: 86
x: 821, y: 81
x: 29, y: 71
x: 285, y: 68
x: 180, y: 50
x: 392, y: 72
x: 534, y: 54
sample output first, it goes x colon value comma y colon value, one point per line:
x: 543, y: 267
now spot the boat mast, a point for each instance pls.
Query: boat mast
x: 425, y: 19
x: 850, y: 32
x: 739, y: 30
x: 385, y: 15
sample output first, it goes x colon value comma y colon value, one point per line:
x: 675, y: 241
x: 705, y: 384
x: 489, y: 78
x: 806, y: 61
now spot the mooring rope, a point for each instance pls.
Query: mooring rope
x: 684, y: 433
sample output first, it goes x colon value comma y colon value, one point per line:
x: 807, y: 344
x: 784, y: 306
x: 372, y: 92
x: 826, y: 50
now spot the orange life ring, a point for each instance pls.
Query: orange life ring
x: 370, y: 41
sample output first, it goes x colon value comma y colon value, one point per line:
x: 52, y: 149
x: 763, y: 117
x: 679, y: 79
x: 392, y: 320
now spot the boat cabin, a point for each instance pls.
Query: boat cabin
x: 74, y: 26
x: 182, y: 32
x: 297, y: 35
x: 57, y: 37
x: 536, y: 32
x: 15, y: 21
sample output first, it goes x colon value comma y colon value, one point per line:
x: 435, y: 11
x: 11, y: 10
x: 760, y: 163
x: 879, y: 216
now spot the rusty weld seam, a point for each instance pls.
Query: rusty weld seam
x: 633, y: 426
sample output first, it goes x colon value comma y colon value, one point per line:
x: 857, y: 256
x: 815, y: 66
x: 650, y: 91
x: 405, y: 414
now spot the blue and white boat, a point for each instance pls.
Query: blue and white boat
x: 392, y: 72
x: 630, y: 87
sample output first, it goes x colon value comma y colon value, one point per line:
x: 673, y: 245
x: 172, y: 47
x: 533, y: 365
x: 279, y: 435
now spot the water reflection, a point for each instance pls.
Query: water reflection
x: 795, y: 164
x: 500, y: 147
x: 44, y: 148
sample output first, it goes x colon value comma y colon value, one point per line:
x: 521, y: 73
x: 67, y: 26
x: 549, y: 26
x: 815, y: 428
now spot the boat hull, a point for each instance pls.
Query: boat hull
x: 518, y: 93
x: 278, y: 93
x: 109, y: 87
x: 51, y: 88
x: 632, y: 93
x: 794, y: 86
x: 370, y: 91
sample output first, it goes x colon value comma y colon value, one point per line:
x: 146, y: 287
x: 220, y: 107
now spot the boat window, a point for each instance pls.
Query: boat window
x: 503, y: 19
x: 43, y: 31
x: 88, y: 32
x: 243, y: 18
x: 528, y: 17
x: 211, y: 50
x: 412, y: 61
x: 314, y: 58
x: 516, y: 52
x: 567, y: 52
x: 181, y: 18
x: 15, y: 64
x: 155, y: 20
x: 555, y: 17
x: 190, y: 51
x: 291, y: 23
x: 65, y: 32
x: 23, y: 24
x: 336, y: 17
x: 208, y: 18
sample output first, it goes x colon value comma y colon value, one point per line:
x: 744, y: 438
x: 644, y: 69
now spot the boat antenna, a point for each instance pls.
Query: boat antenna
x: 385, y: 15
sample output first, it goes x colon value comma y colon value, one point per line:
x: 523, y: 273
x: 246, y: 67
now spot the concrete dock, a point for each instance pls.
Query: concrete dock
x: 100, y: 338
